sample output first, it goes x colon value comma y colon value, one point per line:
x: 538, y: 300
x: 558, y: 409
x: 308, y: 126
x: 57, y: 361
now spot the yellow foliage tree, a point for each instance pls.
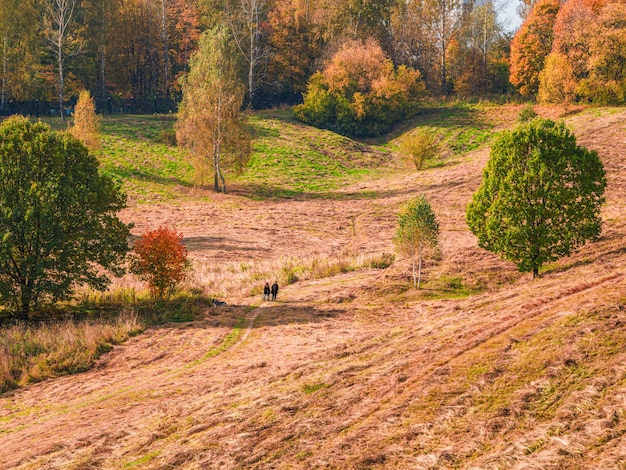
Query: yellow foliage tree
x: 420, y: 147
x: 556, y: 81
x: 86, y: 126
x: 211, y: 124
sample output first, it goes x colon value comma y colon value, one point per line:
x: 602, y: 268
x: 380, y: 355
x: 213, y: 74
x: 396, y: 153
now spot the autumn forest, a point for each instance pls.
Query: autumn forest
x: 570, y: 51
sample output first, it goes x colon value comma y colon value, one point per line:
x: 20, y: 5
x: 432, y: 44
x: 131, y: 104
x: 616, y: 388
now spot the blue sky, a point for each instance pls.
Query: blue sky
x: 508, y: 14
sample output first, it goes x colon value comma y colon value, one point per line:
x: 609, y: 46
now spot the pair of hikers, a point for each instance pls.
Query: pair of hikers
x: 267, y: 290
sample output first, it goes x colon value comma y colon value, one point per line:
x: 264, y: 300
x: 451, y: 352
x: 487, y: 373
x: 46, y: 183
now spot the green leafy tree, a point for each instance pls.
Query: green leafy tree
x: 58, y: 222
x: 417, y: 234
x: 211, y: 123
x: 540, y: 197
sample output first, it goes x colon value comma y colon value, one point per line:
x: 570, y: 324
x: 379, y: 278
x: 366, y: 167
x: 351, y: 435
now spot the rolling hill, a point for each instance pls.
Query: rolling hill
x: 483, y: 368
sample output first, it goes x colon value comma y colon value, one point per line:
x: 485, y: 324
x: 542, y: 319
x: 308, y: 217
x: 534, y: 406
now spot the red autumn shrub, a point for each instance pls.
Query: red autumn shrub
x: 160, y: 258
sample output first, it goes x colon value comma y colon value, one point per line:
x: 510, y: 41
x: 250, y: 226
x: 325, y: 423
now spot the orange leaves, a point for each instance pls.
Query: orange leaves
x: 531, y: 45
x: 160, y: 258
x: 355, y: 66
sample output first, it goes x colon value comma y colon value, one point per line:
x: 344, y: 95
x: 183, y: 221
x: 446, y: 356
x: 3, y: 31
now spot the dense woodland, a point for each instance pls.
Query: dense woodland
x: 122, y: 49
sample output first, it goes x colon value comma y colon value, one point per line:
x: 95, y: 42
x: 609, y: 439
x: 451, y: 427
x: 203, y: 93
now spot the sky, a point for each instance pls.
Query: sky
x: 508, y: 15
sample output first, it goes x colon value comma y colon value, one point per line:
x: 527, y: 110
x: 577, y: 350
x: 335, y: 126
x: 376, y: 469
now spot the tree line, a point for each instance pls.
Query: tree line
x: 139, y: 49
x: 572, y: 51
x: 51, y: 49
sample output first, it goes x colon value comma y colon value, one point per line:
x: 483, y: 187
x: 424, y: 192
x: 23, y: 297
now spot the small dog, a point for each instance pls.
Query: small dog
x: 217, y: 303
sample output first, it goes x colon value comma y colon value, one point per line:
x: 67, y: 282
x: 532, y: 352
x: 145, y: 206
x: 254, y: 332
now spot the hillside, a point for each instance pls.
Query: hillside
x: 483, y: 368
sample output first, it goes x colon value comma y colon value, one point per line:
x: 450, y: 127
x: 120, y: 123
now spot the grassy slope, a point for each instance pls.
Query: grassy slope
x: 482, y: 369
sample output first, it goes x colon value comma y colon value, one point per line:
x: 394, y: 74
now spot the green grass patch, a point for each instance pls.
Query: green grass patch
x: 445, y: 287
x: 229, y: 340
x: 309, y: 389
x: 290, y: 158
x: 149, y: 457
x: 460, y: 128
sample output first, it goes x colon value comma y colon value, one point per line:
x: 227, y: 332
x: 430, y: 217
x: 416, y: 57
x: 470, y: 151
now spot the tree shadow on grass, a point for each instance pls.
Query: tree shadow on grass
x: 453, y: 117
x: 219, y: 243
x: 234, y: 316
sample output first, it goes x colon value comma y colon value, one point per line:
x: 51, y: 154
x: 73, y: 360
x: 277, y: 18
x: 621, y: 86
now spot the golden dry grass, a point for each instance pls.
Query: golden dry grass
x: 482, y: 369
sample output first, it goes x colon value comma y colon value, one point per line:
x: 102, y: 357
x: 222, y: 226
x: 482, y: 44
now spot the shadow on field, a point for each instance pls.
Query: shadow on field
x: 152, y: 178
x: 218, y: 243
x: 263, y: 191
x: 278, y: 313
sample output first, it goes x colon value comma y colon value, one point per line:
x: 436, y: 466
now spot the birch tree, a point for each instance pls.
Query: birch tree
x: 245, y: 18
x: 211, y: 124
x: 417, y: 235
x: 60, y: 33
x: 443, y: 19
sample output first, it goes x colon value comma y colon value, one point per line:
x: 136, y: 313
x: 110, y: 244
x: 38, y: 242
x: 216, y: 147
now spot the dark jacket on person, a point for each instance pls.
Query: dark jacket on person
x: 274, y: 288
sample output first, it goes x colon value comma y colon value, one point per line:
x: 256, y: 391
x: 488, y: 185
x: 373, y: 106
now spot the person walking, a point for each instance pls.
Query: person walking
x: 266, y: 291
x: 274, y: 290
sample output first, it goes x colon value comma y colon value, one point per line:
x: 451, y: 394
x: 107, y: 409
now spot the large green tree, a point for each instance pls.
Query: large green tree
x: 540, y: 197
x: 58, y: 222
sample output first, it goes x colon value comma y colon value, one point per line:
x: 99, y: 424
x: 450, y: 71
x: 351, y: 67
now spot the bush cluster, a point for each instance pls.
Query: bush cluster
x: 360, y: 92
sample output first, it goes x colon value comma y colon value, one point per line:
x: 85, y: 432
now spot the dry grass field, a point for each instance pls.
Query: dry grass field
x: 483, y: 368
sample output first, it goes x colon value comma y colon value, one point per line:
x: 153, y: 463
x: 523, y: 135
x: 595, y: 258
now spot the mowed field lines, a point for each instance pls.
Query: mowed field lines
x: 351, y: 368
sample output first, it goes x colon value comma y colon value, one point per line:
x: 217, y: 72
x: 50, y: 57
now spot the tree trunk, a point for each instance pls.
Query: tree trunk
x: 251, y: 65
x: 414, y: 276
x: 419, y: 272
x: 103, y: 57
x: 444, y: 46
x: 166, y: 54
x: 218, y: 144
x: 223, y: 183
x: 3, y: 84
x: 61, y: 78
x: 26, y: 297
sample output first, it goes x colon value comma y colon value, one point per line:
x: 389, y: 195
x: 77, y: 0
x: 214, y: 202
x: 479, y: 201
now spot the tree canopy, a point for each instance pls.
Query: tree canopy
x: 58, y: 221
x: 211, y: 123
x: 540, y: 197
x: 160, y: 258
x: 360, y: 92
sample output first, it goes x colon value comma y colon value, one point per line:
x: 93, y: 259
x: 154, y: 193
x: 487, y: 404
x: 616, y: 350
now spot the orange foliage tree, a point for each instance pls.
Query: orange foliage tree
x: 531, y: 45
x: 160, y: 258
x: 606, y: 83
x: 360, y: 92
x: 572, y: 33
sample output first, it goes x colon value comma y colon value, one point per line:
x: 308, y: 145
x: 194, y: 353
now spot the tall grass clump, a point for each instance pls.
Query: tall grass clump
x: 239, y: 279
x: 32, y: 353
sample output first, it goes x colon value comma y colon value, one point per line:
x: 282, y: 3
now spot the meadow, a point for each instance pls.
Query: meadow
x: 351, y: 368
